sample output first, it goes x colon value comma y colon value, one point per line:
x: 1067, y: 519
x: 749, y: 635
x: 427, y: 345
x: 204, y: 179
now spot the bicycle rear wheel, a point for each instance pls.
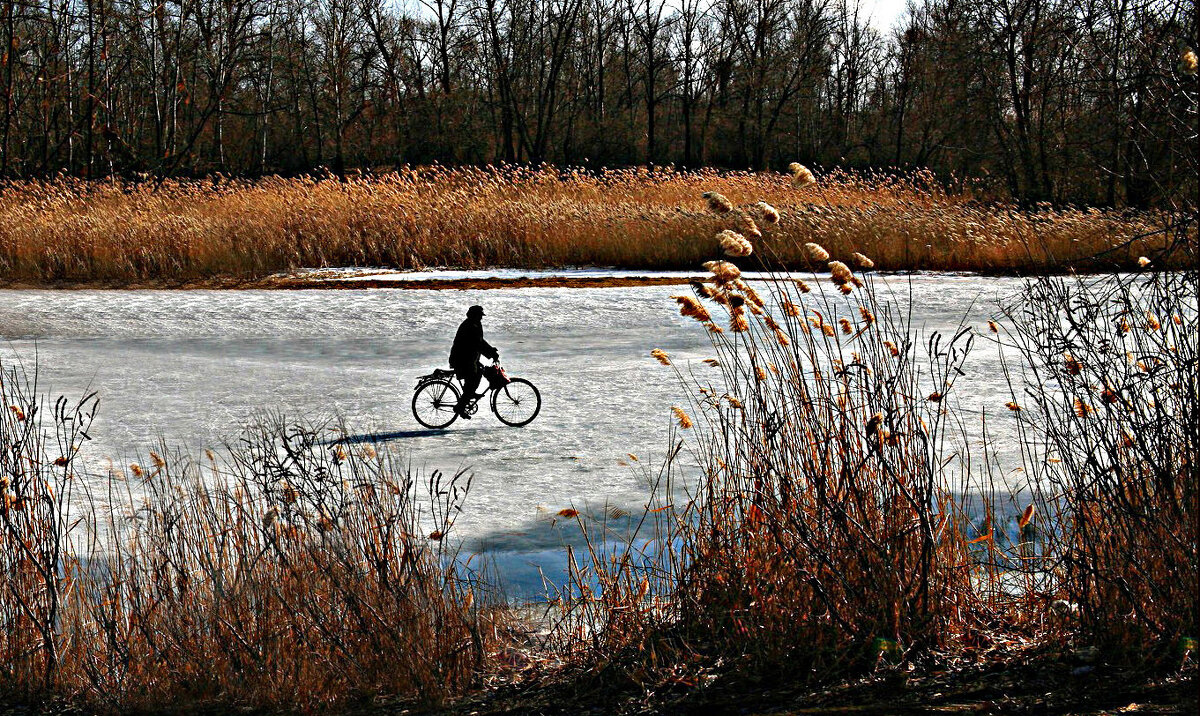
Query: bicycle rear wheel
x: 433, y: 404
x: 517, y: 403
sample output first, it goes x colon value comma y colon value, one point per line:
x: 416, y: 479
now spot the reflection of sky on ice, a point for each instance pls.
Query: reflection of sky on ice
x: 192, y: 366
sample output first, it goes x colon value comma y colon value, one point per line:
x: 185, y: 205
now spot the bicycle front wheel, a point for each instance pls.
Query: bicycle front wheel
x: 517, y: 403
x: 433, y: 404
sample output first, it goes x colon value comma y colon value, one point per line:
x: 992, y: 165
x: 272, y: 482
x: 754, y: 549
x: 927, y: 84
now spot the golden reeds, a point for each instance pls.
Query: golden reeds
x: 734, y: 244
x: 801, y: 175
x: 717, y: 202
x: 115, y: 232
x: 816, y: 252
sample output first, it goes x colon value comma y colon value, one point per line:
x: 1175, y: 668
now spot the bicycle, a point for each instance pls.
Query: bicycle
x: 515, y: 401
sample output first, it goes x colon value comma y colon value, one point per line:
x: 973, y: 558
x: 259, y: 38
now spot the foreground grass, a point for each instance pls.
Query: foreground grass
x: 68, y: 231
x: 290, y: 573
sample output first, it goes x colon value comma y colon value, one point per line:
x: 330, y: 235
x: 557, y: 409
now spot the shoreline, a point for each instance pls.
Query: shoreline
x: 396, y: 280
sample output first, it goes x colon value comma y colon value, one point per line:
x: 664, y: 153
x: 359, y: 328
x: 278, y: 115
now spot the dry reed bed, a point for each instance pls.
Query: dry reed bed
x: 841, y: 523
x: 73, y: 231
x: 292, y: 573
x: 826, y: 533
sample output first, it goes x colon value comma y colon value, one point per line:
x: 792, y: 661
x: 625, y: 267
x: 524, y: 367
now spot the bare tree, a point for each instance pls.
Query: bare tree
x: 1053, y: 99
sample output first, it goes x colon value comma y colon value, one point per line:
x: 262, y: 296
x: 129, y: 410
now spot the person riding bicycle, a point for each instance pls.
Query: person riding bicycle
x: 468, y: 346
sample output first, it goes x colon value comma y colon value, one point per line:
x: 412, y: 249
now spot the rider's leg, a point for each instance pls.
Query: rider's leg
x: 470, y: 376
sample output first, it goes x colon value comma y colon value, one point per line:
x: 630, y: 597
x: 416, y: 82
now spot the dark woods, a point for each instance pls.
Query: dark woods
x: 1050, y: 100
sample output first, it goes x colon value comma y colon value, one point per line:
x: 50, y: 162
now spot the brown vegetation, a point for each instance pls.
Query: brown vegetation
x: 288, y: 573
x: 115, y: 233
x: 841, y: 524
x: 1115, y: 427
x: 827, y: 533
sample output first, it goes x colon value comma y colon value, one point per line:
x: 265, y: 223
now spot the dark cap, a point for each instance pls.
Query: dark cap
x: 475, y: 311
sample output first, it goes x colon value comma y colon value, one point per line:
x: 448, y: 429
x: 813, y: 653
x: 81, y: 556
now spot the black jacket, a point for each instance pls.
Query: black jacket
x: 469, y: 345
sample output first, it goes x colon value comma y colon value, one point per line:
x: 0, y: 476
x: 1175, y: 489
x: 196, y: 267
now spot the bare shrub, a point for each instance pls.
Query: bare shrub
x: 1112, y: 375
x: 38, y: 471
x: 291, y: 571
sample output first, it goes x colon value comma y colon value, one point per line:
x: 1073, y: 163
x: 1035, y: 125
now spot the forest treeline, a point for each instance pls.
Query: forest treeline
x: 1044, y: 100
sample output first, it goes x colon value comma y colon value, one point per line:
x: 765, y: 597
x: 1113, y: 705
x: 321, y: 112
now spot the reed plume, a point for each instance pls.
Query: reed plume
x: 717, y: 202
x: 691, y: 308
x: 840, y: 273
x: 723, y: 271
x: 769, y: 213
x: 816, y: 252
x: 801, y: 176
x: 734, y: 244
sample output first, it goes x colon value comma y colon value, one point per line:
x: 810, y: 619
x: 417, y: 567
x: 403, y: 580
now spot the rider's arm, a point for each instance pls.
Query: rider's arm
x: 486, y: 349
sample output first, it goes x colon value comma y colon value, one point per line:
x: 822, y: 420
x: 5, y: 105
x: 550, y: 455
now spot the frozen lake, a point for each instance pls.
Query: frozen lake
x: 192, y: 366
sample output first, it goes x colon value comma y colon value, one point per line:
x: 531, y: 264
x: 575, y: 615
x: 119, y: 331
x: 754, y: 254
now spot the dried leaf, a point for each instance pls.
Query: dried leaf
x: 1026, y: 516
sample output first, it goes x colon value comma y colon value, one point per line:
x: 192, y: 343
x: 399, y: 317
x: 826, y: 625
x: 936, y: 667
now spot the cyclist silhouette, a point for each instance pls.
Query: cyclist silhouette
x: 468, y: 346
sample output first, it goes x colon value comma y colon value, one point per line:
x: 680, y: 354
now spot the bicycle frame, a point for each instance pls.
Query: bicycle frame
x: 526, y: 392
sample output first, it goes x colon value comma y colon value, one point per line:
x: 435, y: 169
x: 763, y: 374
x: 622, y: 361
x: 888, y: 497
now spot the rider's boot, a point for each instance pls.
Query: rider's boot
x: 461, y: 410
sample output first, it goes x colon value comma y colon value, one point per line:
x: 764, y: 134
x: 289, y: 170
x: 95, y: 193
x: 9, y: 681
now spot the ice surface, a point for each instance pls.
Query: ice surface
x: 193, y: 366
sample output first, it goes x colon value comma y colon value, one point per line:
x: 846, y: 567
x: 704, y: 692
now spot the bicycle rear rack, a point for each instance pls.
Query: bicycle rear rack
x: 437, y: 374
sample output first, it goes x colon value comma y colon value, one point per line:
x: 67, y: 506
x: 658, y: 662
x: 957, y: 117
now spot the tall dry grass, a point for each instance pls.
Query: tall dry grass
x: 821, y: 515
x: 811, y: 518
x: 69, y: 230
x: 291, y: 573
x: 825, y: 528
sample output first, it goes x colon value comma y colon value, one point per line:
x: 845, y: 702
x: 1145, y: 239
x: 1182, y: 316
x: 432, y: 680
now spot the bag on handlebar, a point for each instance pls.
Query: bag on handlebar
x: 496, y: 376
